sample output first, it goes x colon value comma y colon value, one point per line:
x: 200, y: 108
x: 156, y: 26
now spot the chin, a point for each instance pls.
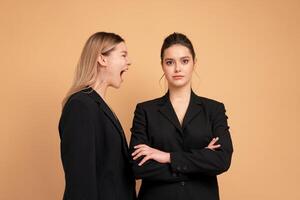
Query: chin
x: 178, y: 84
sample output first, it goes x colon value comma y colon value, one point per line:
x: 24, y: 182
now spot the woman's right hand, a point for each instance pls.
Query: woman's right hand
x: 149, y: 153
x: 212, y: 145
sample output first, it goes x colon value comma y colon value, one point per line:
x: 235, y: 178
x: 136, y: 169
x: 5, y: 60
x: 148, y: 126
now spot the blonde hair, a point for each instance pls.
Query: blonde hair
x: 86, y: 69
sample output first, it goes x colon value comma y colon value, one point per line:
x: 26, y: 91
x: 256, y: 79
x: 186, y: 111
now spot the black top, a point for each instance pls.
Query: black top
x: 193, y: 169
x: 94, y: 151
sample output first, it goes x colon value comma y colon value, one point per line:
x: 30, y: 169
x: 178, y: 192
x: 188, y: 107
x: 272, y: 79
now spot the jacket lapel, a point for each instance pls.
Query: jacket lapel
x: 94, y: 95
x: 193, y: 110
x: 167, y: 110
x: 112, y: 117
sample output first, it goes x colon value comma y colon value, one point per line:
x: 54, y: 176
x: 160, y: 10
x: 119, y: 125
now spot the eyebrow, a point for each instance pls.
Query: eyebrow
x: 124, y: 52
x: 180, y: 58
x: 185, y: 57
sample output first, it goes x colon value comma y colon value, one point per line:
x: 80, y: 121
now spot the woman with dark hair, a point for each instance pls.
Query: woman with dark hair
x: 180, y: 142
x: 94, y: 150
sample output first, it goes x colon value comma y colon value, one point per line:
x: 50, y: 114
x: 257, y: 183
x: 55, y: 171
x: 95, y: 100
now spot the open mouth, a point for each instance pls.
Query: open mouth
x: 123, y: 71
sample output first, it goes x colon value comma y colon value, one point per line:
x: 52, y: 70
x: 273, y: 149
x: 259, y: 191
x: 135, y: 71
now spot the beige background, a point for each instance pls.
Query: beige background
x: 248, y: 57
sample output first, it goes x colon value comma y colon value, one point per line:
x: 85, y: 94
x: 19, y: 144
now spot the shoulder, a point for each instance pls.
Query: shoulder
x: 80, y: 101
x: 213, y: 107
x: 210, y: 103
x: 149, y: 104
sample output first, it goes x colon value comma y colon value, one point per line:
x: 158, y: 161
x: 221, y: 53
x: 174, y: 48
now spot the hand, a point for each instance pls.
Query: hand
x: 212, y: 145
x: 150, y: 153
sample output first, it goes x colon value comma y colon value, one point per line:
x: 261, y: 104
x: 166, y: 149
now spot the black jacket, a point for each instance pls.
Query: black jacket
x: 191, y: 175
x: 94, y: 151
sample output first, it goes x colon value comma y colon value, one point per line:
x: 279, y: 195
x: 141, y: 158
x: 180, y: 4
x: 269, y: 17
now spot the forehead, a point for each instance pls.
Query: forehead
x: 177, y: 51
x: 121, y: 47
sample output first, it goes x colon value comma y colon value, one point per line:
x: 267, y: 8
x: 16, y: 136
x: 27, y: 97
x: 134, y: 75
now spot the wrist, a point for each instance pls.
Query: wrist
x: 168, y: 159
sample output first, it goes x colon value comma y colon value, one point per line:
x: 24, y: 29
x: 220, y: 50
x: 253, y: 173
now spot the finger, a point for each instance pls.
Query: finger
x: 146, y: 158
x: 214, y: 140
x: 137, y: 156
x: 137, y: 151
x: 214, y: 146
x: 211, y: 149
x: 143, y: 153
x: 139, y: 146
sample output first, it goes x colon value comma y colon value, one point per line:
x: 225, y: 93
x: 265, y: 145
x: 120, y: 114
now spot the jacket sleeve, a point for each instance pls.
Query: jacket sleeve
x: 207, y: 161
x: 150, y: 170
x: 78, y: 152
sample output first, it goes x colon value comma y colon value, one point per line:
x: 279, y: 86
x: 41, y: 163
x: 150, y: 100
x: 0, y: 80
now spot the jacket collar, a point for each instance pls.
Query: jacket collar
x: 167, y: 110
x: 108, y: 112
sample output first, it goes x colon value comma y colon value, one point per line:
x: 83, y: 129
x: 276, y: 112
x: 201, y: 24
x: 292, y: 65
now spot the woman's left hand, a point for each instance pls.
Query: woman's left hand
x: 150, y: 153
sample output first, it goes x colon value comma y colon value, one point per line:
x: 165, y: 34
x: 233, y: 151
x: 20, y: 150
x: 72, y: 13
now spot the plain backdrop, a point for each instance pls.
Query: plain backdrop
x: 247, y: 57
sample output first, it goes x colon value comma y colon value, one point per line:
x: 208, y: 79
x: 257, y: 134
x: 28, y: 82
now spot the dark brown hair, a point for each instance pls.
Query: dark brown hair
x: 177, y: 38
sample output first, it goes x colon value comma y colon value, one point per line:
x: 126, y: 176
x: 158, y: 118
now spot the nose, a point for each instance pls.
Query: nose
x: 128, y: 62
x: 177, y: 67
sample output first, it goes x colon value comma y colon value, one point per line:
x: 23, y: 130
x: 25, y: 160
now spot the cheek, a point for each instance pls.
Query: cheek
x: 115, y: 66
x: 115, y: 60
x: 167, y: 70
x: 189, y: 70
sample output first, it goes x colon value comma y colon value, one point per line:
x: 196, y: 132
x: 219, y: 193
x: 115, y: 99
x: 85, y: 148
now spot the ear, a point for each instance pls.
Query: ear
x: 162, y: 65
x: 102, y: 60
x: 195, y: 62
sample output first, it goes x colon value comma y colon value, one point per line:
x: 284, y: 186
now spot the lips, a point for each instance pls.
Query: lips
x: 122, y: 72
x: 177, y: 77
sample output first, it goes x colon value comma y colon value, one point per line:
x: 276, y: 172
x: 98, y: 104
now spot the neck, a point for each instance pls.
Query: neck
x: 180, y: 93
x: 100, y: 88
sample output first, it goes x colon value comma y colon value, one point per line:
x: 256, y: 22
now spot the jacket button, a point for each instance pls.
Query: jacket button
x: 182, y: 183
x: 184, y: 168
x: 178, y: 168
x: 174, y: 174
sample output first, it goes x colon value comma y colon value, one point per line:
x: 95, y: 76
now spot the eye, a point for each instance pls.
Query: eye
x: 169, y: 62
x: 185, y: 61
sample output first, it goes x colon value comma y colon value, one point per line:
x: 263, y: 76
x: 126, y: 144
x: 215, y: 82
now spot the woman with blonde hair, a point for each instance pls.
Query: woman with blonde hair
x: 94, y: 150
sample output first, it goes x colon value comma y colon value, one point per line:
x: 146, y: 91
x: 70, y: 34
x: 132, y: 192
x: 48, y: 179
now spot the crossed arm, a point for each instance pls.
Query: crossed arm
x: 154, y: 164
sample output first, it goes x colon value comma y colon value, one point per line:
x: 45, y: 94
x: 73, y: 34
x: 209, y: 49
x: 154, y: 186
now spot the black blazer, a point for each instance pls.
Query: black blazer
x: 193, y: 169
x: 94, y: 151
